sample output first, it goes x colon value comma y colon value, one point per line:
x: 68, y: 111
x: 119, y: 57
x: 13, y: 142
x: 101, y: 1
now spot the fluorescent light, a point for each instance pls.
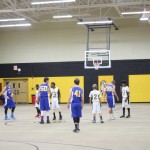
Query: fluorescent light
x: 65, y: 16
x: 96, y: 22
x: 143, y: 19
x: 15, y: 25
x: 134, y: 13
x: 12, y: 19
x: 51, y: 2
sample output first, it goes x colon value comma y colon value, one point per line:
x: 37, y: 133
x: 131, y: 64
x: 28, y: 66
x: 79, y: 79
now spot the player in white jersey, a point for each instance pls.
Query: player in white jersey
x: 125, y: 98
x: 36, y: 102
x: 95, y: 97
x: 55, y: 95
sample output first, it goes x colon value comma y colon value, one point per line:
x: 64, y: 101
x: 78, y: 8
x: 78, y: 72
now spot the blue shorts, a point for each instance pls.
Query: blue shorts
x: 9, y: 103
x: 76, y: 110
x: 111, y: 101
x: 44, y: 104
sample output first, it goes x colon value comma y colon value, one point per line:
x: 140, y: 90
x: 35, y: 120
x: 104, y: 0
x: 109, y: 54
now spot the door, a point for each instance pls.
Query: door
x: 20, y: 90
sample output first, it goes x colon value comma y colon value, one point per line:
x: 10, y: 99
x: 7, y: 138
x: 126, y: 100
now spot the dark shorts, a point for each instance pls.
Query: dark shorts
x: 76, y: 110
x: 9, y: 103
x: 44, y: 104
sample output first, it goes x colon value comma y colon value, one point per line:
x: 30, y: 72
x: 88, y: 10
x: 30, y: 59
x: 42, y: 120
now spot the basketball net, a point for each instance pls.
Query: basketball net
x: 96, y: 65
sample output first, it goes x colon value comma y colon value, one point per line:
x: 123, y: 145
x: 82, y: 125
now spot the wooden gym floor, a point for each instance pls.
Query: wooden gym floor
x: 26, y: 133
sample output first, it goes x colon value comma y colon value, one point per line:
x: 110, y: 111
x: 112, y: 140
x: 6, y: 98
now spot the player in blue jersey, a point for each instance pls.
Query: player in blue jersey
x: 43, y: 98
x: 110, y: 92
x: 9, y: 102
x: 76, y: 101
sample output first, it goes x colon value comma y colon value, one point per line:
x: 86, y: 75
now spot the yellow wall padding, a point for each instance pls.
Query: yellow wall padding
x: 65, y: 84
x: 108, y: 80
x: 139, y: 88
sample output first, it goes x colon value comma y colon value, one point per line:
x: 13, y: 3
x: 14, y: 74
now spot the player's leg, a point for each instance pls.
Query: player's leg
x: 6, y: 116
x: 42, y: 109
x: 113, y: 106
x: 94, y: 112
x: 74, y: 116
x: 47, y: 115
x: 57, y: 106
x: 42, y: 116
x: 100, y: 113
x: 123, y: 107
x: 12, y: 113
x: 79, y: 115
x: 128, y: 108
x: 53, y: 108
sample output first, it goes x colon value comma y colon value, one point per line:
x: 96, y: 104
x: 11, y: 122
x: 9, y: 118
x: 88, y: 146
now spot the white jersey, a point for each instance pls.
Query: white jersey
x: 54, y: 92
x: 96, y: 95
x: 125, y: 90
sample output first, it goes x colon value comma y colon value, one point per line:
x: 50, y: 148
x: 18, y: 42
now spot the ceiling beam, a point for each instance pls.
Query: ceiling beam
x: 69, y: 7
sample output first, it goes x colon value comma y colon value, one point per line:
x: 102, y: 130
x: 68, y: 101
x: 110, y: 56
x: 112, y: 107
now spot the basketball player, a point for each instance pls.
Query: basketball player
x: 43, y: 97
x: 37, y: 103
x: 76, y: 99
x: 95, y: 97
x: 9, y: 102
x: 125, y: 98
x: 55, y: 95
x: 110, y: 93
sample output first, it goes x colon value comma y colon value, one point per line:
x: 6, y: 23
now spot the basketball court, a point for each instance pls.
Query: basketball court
x: 26, y: 133
x: 96, y: 41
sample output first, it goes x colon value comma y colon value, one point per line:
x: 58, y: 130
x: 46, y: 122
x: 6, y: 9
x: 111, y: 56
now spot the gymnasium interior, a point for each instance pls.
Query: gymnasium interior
x: 64, y: 40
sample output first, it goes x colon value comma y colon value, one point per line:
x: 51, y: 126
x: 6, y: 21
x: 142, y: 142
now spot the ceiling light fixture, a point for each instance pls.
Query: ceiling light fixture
x: 96, y: 22
x: 63, y: 16
x: 52, y: 2
x: 136, y: 12
x: 143, y: 19
x: 12, y: 19
x: 15, y: 25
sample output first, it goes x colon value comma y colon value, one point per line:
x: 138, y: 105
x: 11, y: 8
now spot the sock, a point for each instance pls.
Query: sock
x: 54, y: 114
x: 47, y: 118
x: 123, y: 111
x: 76, y: 126
x: 101, y: 118
x: 128, y: 111
x: 42, y: 118
x: 60, y: 114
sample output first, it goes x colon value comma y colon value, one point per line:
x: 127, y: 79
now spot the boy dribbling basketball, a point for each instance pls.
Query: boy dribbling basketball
x: 95, y: 97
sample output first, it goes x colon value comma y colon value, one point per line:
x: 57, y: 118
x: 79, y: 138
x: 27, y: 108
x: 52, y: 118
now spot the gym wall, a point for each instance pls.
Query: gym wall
x: 59, y: 52
x: 57, y: 44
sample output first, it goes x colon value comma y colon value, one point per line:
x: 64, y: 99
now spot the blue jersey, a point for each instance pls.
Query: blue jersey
x: 109, y: 89
x: 44, y: 90
x: 76, y: 95
x: 9, y: 91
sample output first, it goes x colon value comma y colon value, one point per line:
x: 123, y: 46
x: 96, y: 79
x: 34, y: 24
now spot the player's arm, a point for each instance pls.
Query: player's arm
x: 59, y: 95
x: 82, y: 98
x: 121, y: 89
x: 69, y: 98
x: 114, y: 91
x: 90, y: 98
x: 3, y: 91
x: 100, y: 100
x: 105, y: 96
x: 38, y: 96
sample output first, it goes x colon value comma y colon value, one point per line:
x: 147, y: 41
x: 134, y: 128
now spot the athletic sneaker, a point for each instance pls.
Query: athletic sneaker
x: 101, y: 121
x: 128, y: 116
x: 76, y: 130
x: 94, y: 120
x: 41, y: 122
x: 37, y: 116
x: 54, y: 118
x: 48, y: 121
x: 60, y: 118
x: 123, y: 116
x: 6, y: 118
